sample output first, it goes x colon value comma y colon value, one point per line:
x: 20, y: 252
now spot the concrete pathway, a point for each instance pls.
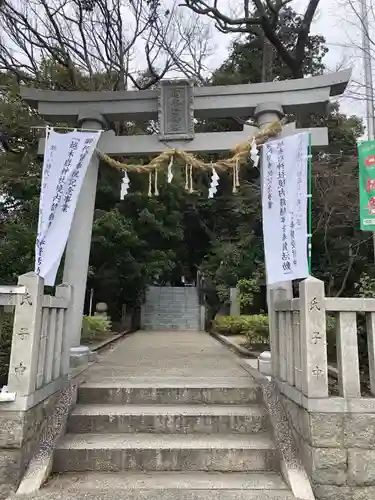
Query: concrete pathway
x: 154, y: 355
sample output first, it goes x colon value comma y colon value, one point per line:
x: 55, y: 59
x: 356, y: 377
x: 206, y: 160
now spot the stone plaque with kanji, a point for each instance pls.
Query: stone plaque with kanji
x: 176, y: 112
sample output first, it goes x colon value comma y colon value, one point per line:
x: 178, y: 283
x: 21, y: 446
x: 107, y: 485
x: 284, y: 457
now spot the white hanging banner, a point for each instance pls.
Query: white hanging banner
x: 65, y: 164
x: 284, y: 204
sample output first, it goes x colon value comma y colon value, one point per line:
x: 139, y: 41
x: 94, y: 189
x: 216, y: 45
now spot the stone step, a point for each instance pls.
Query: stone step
x: 171, y: 312
x: 182, y: 290
x: 176, y: 314
x: 160, y: 328
x: 170, y: 325
x: 165, y: 452
x: 166, y: 494
x: 173, y: 316
x: 169, y: 303
x: 151, y: 324
x: 168, y: 486
x: 180, y: 480
x: 203, y: 419
x: 168, y: 299
x: 171, y: 319
x: 171, y: 309
x: 182, y: 300
x: 175, y: 297
x: 175, y: 293
x: 165, y: 319
x: 193, y: 391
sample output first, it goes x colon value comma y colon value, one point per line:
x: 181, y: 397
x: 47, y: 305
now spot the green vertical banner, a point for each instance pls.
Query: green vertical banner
x: 366, y: 155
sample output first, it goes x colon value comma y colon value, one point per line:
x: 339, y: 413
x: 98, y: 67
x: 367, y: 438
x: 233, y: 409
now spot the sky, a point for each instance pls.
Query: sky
x: 341, y: 28
x: 336, y: 21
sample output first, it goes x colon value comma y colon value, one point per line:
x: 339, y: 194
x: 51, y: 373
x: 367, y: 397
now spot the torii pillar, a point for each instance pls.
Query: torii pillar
x: 77, y: 251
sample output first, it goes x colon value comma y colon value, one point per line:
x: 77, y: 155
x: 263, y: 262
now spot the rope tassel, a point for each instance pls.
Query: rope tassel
x: 156, y: 191
x: 191, y: 178
x: 150, y: 184
x: 237, y: 174
x: 234, y: 189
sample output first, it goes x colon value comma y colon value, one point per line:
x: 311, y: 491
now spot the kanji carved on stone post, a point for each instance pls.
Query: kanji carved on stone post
x: 313, y: 339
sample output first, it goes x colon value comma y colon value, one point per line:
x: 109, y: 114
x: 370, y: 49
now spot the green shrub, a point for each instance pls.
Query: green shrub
x: 95, y: 327
x: 6, y: 332
x: 254, y: 327
x: 249, y: 289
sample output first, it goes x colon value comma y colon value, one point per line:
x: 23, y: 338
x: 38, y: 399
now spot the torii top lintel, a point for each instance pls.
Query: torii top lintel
x: 303, y: 95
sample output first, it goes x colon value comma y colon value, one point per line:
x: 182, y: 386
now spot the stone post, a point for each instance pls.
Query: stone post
x: 313, y: 338
x: 235, y: 306
x: 78, y: 247
x: 64, y: 291
x: 278, y: 341
x: 273, y: 328
x: 265, y: 114
x: 202, y: 317
x: 347, y: 355
x: 23, y: 366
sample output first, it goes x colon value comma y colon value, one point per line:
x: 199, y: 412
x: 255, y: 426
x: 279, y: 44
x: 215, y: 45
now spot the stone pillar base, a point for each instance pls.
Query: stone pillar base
x: 79, y: 356
x: 265, y: 363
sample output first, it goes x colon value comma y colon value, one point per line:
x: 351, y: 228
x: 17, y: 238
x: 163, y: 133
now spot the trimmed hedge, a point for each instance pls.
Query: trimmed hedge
x: 254, y: 327
x: 95, y: 328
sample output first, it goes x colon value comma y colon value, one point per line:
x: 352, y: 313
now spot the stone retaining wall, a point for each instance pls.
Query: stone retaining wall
x: 20, y: 436
x: 337, y: 450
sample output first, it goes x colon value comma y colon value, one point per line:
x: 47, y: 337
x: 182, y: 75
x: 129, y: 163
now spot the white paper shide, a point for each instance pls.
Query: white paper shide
x: 212, y: 190
x: 65, y: 164
x: 284, y: 204
x: 124, y: 185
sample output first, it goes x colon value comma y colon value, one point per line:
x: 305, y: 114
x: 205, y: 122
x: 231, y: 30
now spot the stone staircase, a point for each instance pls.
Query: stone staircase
x: 171, y: 308
x: 198, y: 440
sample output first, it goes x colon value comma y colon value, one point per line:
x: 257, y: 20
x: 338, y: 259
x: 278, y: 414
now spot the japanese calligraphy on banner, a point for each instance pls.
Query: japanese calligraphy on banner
x: 366, y: 155
x: 284, y: 204
x: 65, y: 163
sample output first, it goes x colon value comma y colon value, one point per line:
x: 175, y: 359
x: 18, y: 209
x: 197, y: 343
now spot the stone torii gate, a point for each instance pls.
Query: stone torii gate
x: 175, y: 104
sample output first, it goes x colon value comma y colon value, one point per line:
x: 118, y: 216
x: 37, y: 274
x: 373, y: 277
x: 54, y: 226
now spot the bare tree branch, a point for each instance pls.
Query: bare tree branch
x: 261, y: 17
x: 194, y: 37
x: 101, y: 44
